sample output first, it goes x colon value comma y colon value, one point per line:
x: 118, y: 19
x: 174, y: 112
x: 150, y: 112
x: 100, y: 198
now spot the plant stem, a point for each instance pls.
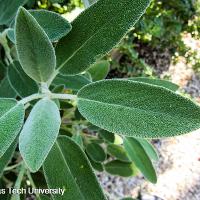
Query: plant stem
x: 19, y: 180
x: 12, y: 167
x: 48, y: 95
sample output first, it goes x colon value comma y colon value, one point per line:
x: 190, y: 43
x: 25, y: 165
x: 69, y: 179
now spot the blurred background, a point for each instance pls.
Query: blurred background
x: 164, y: 44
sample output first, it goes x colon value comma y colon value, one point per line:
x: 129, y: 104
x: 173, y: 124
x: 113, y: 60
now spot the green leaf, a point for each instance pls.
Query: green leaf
x: 11, y: 121
x: 137, y: 109
x: 35, y: 51
x: 8, y: 9
x: 118, y: 152
x: 78, y: 139
x: 54, y: 25
x: 96, y: 165
x: 23, y: 84
x: 74, y: 83
x: 91, y: 38
x: 163, y: 83
x: 2, y: 70
x: 128, y: 198
x: 39, y: 133
x: 6, y: 90
x: 120, y: 168
x: 110, y: 137
x: 99, y: 70
x: 96, y: 152
x: 4, y: 160
x: 71, y: 171
x: 139, y: 156
x: 149, y: 148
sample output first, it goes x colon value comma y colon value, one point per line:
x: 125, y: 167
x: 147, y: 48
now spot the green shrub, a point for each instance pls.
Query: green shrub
x: 66, y: 120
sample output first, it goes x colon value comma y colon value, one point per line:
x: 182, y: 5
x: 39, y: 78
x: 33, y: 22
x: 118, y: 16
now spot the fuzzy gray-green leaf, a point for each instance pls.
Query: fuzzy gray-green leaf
x: 39, y: 133
x: 93, y: 37
x: 163, y: 83
x: 8, y: 9
x: 137, y: 109
x: 138, y: 155
x: 35, y: 51
x: 11, y: 121
x: 20, y: 81
x: 71, y: 171
x: 54, y: 25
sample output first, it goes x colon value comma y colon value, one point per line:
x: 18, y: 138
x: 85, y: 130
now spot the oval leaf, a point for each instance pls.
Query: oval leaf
x: 71, y: 172
x: 23, y: 84
x: 137, y: 109
x: 8, y: 9
x: 119, y: 168
x: 39, y: 133
x: 118, y: 152
x: 99, y: 70
x: 11, y: 121
x: 96, y: 152
x: 35, y: 51
x: 93, y: 37
x: 54, y: 25
x: 149, y: 148
x: 163, y: 83
x: 139, y: 156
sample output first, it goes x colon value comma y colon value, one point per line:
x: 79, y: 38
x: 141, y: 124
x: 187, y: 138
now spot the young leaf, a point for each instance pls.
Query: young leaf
x: 4, y: 160
x: 8, y: 9
x: 137, y: 109
x: 163, y: 83
x: 118, y: 152
x: 139, y: 156
x: 96, y: 152
x: 54, y: 25
x: 110, y: 137
x: 96, y: 165
x: 150, y: 150
x: 11, y: 121
x: 74, y: 83
x: 71, y: 171
x: 23, y: 84
x: 6, y: 90
x: 119, y: 168
x: 39, y: 133
x: 35, y: 51
x: 99, y: 70
x: 93, y: 37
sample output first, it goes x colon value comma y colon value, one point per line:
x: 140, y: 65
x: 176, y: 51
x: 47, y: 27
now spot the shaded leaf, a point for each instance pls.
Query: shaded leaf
x: 39, y: 133
x: 4, y: 160
x: 6, y: 90
x: 96, y: 165
x: 72, y: 82
x: 118, y: 152
x: 137, y: 109
x: 74, y: 175
x: 8, y: 9
x: 139, y: 156
x: 11, y: 121
x: 96, y: 152
x: 22, y: 83
x: 78, y: 139
x: 35, y: 51
x: 99, y: 70
x: 91, y: 38
x: 119, y: 168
